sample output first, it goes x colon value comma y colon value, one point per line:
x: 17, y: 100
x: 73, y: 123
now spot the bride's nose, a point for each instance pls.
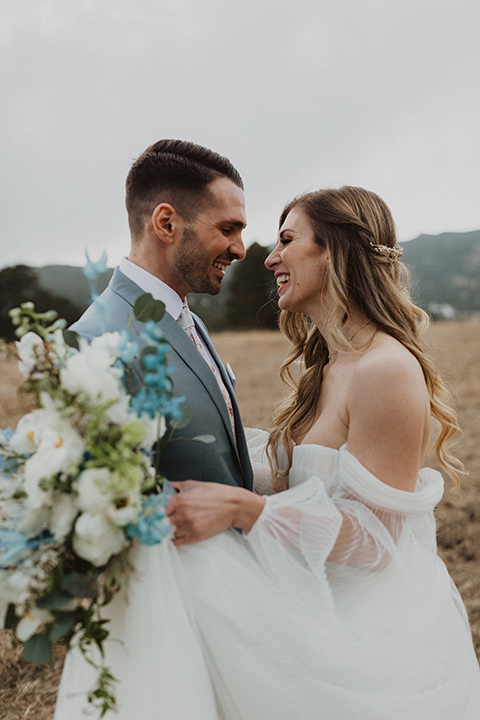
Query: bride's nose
x: 272, y: 259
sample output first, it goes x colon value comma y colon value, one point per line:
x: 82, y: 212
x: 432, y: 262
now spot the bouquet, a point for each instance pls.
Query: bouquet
x: 78, y: 480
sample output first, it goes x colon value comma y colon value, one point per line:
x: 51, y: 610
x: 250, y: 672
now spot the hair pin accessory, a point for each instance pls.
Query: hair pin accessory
x: 392, y: 253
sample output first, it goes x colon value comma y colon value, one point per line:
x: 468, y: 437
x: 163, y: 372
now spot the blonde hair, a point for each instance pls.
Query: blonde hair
x: 347, y: 222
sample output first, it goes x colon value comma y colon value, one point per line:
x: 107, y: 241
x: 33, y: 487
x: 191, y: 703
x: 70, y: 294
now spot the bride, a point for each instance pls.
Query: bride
x: 327, y: 600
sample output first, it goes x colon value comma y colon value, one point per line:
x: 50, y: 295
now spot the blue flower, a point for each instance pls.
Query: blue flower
x: 145, y: 401
x: 128, y: 348
x: 152, y: 334
x: 93, y: 271
x: 6, y: 435
x: 158, y: 379
x: 102, y: 310
x: 172, y: 407
x: 15, y: 544
x: 152, y: 525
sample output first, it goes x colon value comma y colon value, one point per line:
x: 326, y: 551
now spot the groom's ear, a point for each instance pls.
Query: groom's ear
x: 166, y: 223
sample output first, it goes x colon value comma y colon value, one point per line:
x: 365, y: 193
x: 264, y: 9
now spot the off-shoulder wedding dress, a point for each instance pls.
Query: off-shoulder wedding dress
x: 335, y: 606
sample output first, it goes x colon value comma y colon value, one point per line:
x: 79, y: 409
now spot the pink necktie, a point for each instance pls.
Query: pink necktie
x: 185, y: 320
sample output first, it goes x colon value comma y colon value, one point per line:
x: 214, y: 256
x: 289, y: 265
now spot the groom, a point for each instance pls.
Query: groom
x: 186, y: 213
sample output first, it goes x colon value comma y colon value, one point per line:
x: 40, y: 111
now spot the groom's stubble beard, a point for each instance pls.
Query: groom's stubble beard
x: 195, y: 267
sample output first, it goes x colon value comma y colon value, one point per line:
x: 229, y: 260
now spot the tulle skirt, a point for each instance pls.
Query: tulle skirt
x: 207, y: 634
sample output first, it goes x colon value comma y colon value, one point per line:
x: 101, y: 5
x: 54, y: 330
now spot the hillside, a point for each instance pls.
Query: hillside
x: 69, y: 282
x: 445, y: 270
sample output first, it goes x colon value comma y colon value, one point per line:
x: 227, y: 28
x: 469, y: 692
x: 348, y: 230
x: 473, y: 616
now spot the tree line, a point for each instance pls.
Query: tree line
x: 19, y: 284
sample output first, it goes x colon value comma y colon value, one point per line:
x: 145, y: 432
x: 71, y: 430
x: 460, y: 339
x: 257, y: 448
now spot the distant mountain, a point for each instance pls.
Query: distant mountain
x: 70, y: 282
x: 445, y: 271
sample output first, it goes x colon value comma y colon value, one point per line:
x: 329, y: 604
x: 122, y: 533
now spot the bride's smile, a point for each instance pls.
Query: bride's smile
x: 298, y: 262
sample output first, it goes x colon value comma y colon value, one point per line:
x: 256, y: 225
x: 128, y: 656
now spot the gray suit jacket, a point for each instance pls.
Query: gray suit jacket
x: 182, y: 458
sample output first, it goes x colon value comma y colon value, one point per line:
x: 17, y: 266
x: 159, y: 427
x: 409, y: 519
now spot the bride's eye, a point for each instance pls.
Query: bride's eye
x: 285, y: 240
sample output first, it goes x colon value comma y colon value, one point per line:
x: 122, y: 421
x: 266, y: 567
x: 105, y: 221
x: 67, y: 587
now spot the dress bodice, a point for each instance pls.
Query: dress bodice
x: 332, y: 466
x: 312, y: 460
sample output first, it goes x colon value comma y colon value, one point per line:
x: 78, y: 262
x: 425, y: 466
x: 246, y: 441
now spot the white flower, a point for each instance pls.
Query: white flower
x: 108, y: 342
x: 15, y: 588
x: 119, y: 412
x: 95, y: 538
x: 26, y: 437
x: 63, y: 513
x: 52, y: 457
x: 93, y: 491
x: 59, y: 449
x: 155, y: 429
x: 90, y: 370
x: 35, y: 519
x: 18, y: 582
x: 29, y: 348
x: 30, y: 623
x: 8, y: 592
x: 56, y: 445
x: 125, y: 508
x: 113, y: 494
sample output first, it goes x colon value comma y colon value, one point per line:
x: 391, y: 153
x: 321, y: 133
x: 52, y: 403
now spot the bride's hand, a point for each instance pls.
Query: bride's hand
x: 201, y: 510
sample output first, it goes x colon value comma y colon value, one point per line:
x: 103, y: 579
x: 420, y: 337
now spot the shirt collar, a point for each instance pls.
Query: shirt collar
x: 153, y: 285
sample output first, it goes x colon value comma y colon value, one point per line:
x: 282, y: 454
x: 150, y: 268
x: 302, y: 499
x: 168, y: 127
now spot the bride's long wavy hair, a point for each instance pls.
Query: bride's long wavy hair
x: 345, y: 222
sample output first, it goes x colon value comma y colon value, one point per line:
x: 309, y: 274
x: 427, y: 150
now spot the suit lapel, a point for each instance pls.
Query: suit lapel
x: 186, y: 350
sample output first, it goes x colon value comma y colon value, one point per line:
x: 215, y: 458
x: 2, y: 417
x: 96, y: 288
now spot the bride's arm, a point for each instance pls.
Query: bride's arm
x: 389, y: 417
x: 389, y: 413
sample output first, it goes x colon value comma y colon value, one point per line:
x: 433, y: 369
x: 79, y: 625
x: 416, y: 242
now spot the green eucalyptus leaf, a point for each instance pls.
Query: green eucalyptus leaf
x: 181, y: 422
x: 19, y: 495
x: 10, y: 617
x: 146, y: 308
x: 53, y: 600
x: 79, y: 585
x: 71, y: 339
x: 207, y: 439
x: 38, y: 649
x: 64, y: 622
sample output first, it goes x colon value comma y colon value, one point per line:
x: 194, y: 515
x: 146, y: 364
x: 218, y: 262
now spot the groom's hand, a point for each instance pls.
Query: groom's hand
x: 201, y: 510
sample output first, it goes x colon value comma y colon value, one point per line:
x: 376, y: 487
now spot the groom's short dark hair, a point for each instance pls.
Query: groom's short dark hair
x: 177, y: 172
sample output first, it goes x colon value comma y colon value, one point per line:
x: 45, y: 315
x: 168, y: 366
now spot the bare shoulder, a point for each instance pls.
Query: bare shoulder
x: 388, y: 367
x: 389, y: 412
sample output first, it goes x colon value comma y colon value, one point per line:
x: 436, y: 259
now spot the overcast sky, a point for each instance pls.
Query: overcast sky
x: 300, y: 95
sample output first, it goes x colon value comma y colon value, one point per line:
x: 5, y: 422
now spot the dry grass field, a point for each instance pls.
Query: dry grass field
x: 29, y: 692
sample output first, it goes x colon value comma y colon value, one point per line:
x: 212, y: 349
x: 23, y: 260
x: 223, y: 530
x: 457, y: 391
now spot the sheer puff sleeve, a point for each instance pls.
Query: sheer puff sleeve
x: 337, y: 516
